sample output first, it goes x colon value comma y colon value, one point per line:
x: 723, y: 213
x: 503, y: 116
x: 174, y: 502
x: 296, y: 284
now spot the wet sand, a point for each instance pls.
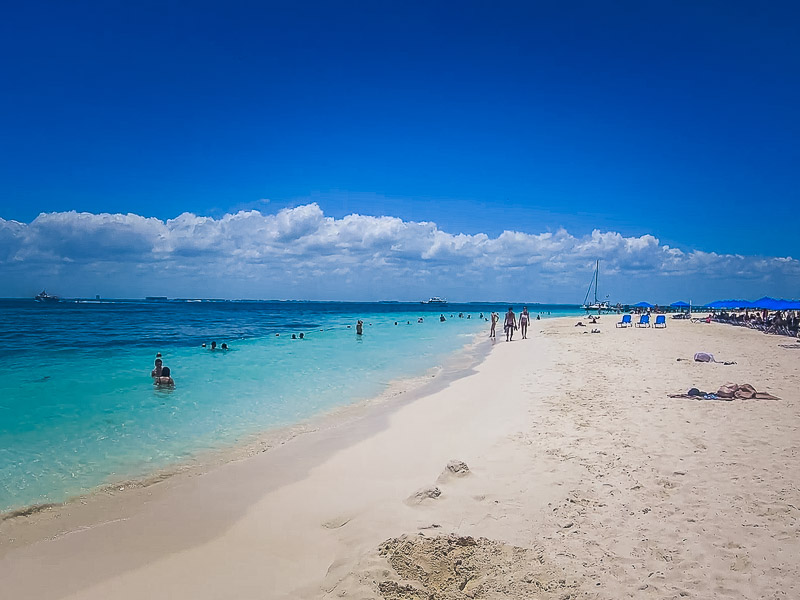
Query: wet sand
x: 581, y: 478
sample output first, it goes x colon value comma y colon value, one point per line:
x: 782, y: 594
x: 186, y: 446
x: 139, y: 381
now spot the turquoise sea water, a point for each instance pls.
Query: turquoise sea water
x: 78, y: 408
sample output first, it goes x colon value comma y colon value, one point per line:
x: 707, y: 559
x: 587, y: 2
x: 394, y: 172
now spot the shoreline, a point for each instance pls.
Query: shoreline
x: 119, y: 429
x: 582, y: 478
x: 397, y: 392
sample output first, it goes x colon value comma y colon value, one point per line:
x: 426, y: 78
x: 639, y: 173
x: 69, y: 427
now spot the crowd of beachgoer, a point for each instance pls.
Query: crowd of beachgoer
x: 162, y: 377
x: 781, y: 322
x: 511, y: 323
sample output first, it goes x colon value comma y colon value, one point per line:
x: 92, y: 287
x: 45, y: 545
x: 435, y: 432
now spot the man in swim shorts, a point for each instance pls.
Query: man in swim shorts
x: 510, y: 324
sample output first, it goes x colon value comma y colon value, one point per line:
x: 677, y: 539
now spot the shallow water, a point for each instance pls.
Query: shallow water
x: 78, y: 408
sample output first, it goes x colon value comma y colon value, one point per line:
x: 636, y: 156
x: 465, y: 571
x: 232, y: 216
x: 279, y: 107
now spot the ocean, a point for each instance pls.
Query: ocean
x: 78, y: 409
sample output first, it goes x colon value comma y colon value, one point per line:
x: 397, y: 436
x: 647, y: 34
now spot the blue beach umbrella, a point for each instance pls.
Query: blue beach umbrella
x: 765, y: 302
x: 680, y: 304
x: 741, y: 304
x: 643, y: 305
x: 731, y: 304
x: 786, y: 304
x: 792, y: 304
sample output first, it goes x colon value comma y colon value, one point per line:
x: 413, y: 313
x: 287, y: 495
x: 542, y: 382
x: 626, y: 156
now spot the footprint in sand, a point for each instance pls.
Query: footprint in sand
x: 336, y: 522
x: 420, y: 496
x: 455, y: 468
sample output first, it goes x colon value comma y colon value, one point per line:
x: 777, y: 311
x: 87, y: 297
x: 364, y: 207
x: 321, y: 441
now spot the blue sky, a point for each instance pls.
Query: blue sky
x: 677, y: 121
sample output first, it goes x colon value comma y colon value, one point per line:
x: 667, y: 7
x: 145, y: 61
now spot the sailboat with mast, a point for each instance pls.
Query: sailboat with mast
x: 596, y: 305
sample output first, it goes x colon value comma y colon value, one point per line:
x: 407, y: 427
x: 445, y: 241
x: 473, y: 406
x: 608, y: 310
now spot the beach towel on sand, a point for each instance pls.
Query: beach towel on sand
x: 728, y: 391
x: 707, y: 357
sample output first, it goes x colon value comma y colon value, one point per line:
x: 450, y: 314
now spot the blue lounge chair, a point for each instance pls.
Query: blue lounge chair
x: 626, y: 321
x: 661, y: 321
x: 644, y: 321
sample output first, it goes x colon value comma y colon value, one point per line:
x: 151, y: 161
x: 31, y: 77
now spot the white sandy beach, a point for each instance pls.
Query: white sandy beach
x: 585, y: 481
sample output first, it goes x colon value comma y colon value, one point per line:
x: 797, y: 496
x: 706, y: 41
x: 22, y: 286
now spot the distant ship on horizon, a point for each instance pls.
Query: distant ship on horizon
x: 435, y: 300
x: 45, y: 297
x: 596, y: 305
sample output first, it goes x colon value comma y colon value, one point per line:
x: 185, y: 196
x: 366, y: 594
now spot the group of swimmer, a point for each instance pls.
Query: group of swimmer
x: 510, y: 323
x: 162, y: 377
x: 161, y: 374
x: 224, y: 346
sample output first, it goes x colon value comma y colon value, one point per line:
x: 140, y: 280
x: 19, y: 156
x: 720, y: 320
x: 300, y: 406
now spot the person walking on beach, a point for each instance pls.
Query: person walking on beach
x: 524, y: 319
x: 510, y: 324
x: 493, y: 330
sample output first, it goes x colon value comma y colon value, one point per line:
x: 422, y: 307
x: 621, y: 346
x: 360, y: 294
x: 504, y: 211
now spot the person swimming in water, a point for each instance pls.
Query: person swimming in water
x: 164, y: 380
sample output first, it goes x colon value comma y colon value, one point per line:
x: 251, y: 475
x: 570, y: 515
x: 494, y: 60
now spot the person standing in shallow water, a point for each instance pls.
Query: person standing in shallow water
x: 165, y: 379
x: 360, y: 327
x: 156, y: 373
x: 493, y: 330
x: 510, y: 324
x: 524, y: 319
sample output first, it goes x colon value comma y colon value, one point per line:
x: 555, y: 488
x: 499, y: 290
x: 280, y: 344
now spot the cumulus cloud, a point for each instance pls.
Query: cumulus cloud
x: 302, y: 253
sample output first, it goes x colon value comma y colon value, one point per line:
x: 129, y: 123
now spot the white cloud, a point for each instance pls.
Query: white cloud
x: 301, y: 253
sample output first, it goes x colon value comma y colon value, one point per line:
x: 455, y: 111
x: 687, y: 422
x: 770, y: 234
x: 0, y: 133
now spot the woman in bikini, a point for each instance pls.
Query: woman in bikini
x: 524, y: 319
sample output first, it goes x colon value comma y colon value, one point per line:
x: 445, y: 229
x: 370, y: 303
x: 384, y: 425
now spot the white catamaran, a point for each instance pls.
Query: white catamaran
x: 596, y: 305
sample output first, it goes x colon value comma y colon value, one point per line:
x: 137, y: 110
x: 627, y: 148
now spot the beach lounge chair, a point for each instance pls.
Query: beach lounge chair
x: 626, y: 321
x: 661, y: 321
x: 644, y: 321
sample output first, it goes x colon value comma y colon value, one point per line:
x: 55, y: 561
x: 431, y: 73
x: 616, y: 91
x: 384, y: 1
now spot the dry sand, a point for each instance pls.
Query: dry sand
x: 559, y: 468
